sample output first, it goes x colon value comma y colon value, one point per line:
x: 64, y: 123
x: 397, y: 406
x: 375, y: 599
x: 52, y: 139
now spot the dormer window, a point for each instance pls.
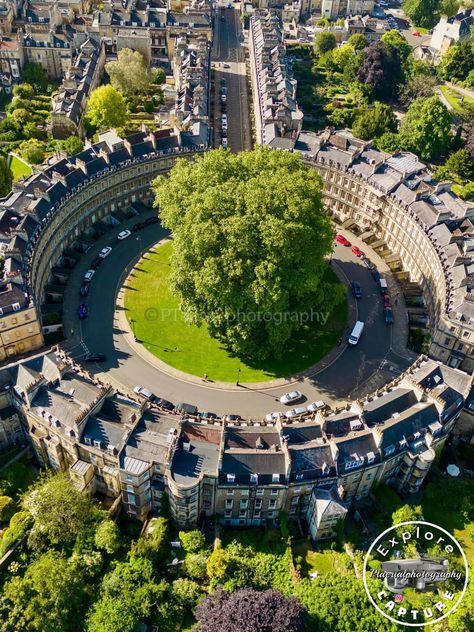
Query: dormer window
x: 97, y: 444
x: 370, y: 457
x: 16, y: 307
x: 254, y: 478
x: 389, y: 450
x: 275, y: 478
x: 87, y: 440
x: 231, y: 478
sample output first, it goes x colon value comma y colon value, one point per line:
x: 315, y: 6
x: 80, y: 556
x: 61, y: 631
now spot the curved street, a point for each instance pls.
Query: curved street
x: 350, y: 372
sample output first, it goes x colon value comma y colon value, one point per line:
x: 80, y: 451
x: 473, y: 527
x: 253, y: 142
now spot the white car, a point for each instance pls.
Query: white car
x: 226, y: 65
x: 319, y: 405
x: 224, y: 119
x: 105, y: 252
x: 144, y: 392
x: 295, y: 412
x: 223, y: 98
x: 88, y: 276
x: 273, y: 416
x: 123, y: 235
x: 225, y: 144
x: 293, y: 396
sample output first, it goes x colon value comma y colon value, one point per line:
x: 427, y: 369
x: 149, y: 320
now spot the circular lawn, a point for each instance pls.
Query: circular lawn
x: 154, y: 316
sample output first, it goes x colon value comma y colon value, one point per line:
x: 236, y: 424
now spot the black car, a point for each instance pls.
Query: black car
x: 83, y: 311
x: 231, y: 418
x: 152, y: 220
x: 375, y: 275
x: 84, y: 289
x: 388, y: 315
x: 356, y: 289
x: 206, y: 415
x: 138, y: 226
x: 95, y: 357
x: 368, y: 263
x: 96, y: 263
x: 164, y: 403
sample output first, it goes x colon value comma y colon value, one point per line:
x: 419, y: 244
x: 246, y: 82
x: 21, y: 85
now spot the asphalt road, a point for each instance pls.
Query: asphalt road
x: 228, y: 49
x: 357, y: 370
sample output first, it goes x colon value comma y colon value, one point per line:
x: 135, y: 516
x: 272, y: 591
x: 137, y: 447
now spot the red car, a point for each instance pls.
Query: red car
x: 416, y: 34
x: 386, y: 301
x: 342, y: 240
x: 357, y: 251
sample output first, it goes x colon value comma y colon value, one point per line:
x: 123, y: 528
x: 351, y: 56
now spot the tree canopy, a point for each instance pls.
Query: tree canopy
x: 374, y: 122
x: 381, y: 68
x: 424, y: 13
x: 236, y: 220
x: 457, y: 62
x: 6, y: 177
x: 324, y: 42
x: 426, y: 128
x: 107, y: 108
x: 130, y: 74
x: 250, y: 611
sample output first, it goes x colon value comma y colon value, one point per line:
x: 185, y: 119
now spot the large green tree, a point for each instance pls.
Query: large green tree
x: 426, y: 128
x: 107, y: 108
x: 6, y: 177
x: 374, y: 122
x: 457, y: 62
x: 59, y: 510
x: 324, y: 42
x: 49, y: 596
x: 250, y: 237
x: 130, y: 74
x: 424, y: 13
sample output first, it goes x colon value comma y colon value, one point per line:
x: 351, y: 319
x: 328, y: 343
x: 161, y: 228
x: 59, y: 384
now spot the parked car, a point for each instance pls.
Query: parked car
x: 97, y: 262
x: 357, y: 251
x: 223, y: 98
x: 319, y: 405
x: 224, y: 142
x: 342, y: 240
x: 138, y: 226
x: 207, y: 415
x: 105, y: 252
x: 88, y: 276
x: 295, y: 412
x: 292, y: 396
x: 152, y: 220
x: 226, y: 65
x: 222, y: 81
x: 231, y: 418
x: 388, y: 315
x: 164, y: 403
x: 83, y: 311
x: 386, y: 300
x: 368, y: 263
x: 84, y: 289
x: 95, y: 357
x: 123, y: 235
x: 145, y: 393
x: 273, y: 416
x: 188, y: 409
x: 356, y: 289
x: 376, y: 275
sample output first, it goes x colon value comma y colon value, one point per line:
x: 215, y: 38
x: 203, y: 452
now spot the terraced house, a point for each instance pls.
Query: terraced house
x: 247, y: 472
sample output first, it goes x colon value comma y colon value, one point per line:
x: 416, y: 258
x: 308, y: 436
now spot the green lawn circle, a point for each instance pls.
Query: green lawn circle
x: 154, y: 315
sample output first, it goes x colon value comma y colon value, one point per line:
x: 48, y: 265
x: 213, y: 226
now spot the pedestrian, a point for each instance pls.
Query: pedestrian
x: 205, y: 377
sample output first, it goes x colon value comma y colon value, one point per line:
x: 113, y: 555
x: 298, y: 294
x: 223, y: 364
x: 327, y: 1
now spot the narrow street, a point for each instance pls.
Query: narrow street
x: 228, y: 60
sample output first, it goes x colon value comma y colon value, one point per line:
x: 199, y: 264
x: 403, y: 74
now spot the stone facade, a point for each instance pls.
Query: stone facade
x: 313, y: 468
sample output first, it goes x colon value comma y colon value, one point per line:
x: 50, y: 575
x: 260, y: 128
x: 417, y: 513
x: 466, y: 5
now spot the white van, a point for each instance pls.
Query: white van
x: 356, y: 333
x: 383, y: 286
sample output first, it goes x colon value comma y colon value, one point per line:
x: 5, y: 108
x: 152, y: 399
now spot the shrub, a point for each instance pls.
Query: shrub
x: 7, y: 508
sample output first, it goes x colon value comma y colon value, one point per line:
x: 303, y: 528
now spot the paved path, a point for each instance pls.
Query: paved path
x: 347, y: 373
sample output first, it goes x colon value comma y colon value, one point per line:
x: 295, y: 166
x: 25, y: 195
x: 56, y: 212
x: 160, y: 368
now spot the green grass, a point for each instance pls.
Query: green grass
x: 322, y: 561
x: 192, y: 350
x: 19, y: 168
x: 456, y: 99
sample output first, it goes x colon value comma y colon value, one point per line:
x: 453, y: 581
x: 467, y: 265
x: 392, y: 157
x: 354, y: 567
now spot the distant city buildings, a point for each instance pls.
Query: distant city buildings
x: 447, y: 32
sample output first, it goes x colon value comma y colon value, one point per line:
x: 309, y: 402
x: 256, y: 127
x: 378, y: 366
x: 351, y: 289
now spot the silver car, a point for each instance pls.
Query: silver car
x: 295, y: 412
x: 292, y: 396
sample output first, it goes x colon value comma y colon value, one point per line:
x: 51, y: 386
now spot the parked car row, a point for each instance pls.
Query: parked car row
x: 182, y: 408
x: 387, y: 304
